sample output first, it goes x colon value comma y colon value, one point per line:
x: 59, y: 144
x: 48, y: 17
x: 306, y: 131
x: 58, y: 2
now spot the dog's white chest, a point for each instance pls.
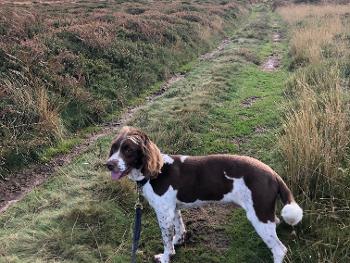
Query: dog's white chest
x: 160, y: 202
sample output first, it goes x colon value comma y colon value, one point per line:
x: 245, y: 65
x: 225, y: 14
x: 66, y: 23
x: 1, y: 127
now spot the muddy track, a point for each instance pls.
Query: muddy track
x: 15, y: 188
x: 273, y: 62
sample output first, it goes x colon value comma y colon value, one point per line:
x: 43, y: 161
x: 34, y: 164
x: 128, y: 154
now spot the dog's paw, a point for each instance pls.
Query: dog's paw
x: 161, y: 258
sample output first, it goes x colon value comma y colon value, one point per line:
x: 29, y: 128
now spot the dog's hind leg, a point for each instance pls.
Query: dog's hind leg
x: 166, y: 223
x: 242, y: 196
x: 267, y: 231
x: 180, y: 231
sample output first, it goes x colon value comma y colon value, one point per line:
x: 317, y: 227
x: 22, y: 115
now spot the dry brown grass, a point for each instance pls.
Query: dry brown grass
x: 48, y: 117
x: 303, y: 12
x: 307, y: 43
x: 316, y: 32
x: 316, y: 126
x: 31, y: 114
x: 316, y: 132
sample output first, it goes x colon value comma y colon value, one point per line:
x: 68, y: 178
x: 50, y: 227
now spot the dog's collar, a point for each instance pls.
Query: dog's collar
x: 142, y: 182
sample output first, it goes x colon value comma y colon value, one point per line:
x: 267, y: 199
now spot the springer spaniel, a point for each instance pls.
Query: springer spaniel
x: 173, y: 182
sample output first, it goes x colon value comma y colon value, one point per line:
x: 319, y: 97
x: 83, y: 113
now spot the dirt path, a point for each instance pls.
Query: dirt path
x: 205, y: 225
x: 207, y: 222
x: 273, y: 61
x: 18, y: 185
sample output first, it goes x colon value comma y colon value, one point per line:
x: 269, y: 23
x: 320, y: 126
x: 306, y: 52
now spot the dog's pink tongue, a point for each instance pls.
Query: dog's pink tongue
x: 116, y: 175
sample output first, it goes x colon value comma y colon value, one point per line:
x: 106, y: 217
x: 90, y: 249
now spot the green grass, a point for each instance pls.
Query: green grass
x: 61, y: 148
x: 80, y: 215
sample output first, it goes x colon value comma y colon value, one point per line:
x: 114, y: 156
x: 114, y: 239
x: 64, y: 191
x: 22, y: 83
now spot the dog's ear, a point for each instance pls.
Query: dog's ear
x: 153, y: 160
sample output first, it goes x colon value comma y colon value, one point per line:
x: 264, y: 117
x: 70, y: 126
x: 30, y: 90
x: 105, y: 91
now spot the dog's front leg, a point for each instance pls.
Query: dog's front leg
x: 166, y: 224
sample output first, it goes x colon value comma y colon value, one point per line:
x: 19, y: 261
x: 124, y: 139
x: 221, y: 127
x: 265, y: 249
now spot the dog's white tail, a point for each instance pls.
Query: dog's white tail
x: 291, y: 212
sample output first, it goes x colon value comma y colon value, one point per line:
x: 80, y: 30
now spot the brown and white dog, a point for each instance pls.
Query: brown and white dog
x: 173, y: 182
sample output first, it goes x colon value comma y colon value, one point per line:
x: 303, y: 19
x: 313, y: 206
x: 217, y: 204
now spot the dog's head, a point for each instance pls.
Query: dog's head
x: 133, y: 153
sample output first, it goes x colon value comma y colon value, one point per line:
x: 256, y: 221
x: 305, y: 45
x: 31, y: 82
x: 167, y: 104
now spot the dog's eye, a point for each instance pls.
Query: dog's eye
x: 128, y: 149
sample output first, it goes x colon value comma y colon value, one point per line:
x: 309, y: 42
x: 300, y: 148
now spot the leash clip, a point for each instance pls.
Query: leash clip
x: 138, y: 205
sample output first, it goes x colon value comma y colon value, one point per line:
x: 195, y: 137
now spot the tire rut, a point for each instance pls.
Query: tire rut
x: 273, y: 62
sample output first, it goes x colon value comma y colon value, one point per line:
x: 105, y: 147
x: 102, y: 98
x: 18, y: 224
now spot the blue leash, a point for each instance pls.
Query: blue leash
x: 137, y: 233
x: 137, y: 224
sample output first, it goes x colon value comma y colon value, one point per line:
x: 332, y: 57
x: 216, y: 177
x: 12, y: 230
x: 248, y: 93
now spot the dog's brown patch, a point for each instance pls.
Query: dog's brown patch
x: 207, y: 178
x: 194, y: 181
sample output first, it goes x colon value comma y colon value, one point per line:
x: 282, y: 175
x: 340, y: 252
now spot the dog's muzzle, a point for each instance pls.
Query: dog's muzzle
x: 116, y: 173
